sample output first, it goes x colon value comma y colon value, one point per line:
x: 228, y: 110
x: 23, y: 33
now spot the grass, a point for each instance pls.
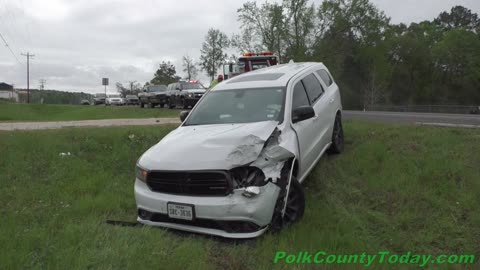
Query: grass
x: 395, y: 188
x: 11, y: 112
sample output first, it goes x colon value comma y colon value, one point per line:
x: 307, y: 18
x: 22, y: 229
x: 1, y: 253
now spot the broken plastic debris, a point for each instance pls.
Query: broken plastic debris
x: 64, y: 154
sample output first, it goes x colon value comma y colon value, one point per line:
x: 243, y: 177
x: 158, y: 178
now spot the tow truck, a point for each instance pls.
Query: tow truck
x: 249, y: 61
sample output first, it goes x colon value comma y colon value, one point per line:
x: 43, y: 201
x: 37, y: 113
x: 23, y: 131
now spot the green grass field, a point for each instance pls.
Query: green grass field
x: 12, y: 112
x: 395, y: 188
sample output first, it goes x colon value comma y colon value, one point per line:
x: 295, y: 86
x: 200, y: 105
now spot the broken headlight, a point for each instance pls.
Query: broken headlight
x: 247, y: 176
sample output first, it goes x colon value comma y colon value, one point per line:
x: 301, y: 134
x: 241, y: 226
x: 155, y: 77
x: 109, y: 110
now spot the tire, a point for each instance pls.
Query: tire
x: 184, y: 104
x: 337, y: 145
x: 295, y: 206
x: 141, y: 105
x: 150, y: 105
x: 170, y: 104
x: 162, y: 105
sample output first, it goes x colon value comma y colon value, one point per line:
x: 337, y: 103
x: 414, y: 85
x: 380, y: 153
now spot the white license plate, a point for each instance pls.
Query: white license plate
x: 180, y: 211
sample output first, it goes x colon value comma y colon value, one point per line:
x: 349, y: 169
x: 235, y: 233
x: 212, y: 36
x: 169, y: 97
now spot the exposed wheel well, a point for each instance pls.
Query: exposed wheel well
x: 339, y: 113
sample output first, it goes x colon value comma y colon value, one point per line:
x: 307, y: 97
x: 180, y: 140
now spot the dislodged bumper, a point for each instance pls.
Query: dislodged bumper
x: 232, y: 216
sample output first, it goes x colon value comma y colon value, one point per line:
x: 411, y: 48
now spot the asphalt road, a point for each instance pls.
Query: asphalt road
x: 435, y: 119
x: 449, y: 120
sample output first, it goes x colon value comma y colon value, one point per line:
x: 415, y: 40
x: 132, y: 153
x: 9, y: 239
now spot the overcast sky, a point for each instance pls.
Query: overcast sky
x: 77, y: 42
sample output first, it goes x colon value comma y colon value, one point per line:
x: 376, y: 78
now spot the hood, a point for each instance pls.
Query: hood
x: 209, y: 147
x: 195, y: 91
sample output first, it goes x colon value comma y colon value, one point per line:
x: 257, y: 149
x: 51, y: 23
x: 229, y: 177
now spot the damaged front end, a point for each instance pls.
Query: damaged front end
x: 239, y: 201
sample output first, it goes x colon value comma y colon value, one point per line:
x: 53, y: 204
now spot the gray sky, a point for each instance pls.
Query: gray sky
x: 77, y: 42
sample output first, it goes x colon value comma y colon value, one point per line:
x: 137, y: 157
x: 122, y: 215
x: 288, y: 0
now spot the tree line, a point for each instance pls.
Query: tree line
x: 373, y: 60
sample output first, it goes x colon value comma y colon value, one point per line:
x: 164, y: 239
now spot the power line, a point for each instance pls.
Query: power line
x: 10, y: 49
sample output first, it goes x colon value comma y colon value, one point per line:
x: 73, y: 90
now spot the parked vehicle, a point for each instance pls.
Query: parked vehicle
x: 131, y: 100
x: 234, y: 167
x: 84, y: 102
x: 184, y: 94
x: 114, y: 99
x: 153, y: 95
x: 99, y: 99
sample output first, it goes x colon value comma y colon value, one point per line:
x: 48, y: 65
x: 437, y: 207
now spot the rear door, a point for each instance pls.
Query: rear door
x: 332, y: 96
x: 316, y: 95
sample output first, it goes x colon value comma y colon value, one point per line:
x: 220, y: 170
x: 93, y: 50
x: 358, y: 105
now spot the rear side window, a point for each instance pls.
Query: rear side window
x: 325, y: 76
x: 313, y: 87
x: 300, y: 97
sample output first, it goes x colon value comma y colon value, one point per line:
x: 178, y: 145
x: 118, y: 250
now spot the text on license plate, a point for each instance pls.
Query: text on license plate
x: 180, y: 211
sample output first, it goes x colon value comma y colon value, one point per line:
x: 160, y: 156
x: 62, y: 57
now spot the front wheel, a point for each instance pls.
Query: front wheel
x: 295, y: 206
x: 184, y: 104
x: 337, y: 137
x: 170, y: 104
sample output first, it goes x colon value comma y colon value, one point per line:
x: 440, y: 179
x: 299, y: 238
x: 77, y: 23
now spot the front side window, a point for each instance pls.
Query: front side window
x: 300, y: 97
x: 239, y: 106
x: 313, y: 87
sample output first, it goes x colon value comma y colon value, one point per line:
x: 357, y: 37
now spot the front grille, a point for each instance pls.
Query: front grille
x: 196, y: 183
x: 230, y: 226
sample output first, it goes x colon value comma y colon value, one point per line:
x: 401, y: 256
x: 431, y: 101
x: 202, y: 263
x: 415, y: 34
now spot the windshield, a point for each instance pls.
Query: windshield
x: 239, y: 106
x: 100, y: 95
x: 191, y: 86
x: 131, y: 96
x: 157, y: 88
x: 113, y: 96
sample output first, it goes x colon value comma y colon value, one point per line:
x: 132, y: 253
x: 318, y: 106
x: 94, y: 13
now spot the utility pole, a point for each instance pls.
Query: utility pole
x: 28, y: 55
x: 42, y: 83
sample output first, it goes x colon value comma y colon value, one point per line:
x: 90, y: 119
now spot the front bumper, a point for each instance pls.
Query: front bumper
x: 158, y: 99
x: 115, y: 102
x: 191, y: 101
x: 218, y: 211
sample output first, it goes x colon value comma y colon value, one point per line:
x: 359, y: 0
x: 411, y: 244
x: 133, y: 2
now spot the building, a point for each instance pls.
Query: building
x: 7, y: 92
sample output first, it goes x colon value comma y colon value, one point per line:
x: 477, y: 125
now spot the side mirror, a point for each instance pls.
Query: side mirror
x: 183, y: 115
x: 144, y: 90
x: 178, y: 88
x: 302, y: 113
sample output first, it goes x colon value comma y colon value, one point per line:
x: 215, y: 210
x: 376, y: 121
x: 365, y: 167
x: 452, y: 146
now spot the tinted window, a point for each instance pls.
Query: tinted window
x: 325, y: 77
x: 300, y: 97
x: 313, y: 86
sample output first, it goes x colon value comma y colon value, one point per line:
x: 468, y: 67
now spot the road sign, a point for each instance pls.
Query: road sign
x: 105, y: 81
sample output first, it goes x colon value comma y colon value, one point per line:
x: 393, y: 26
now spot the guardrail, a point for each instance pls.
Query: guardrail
x: 461, y: 109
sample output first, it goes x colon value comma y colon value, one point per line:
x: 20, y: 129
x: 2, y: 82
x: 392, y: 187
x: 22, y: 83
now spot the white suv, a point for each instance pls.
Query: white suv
x: 235, y: 166
x: 114, y: 99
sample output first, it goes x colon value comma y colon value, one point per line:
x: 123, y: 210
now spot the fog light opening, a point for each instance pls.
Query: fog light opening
x: 144, y: 214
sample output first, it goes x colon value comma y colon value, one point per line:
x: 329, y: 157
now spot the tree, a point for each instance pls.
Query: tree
x: 189, y: 67
x: 133, y: 88
x: 165, y: 74
x: 457, y: 67
x: 263, y: 27
x: 212, y: 52
x: 299, y: 22
x: 459, y: 17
